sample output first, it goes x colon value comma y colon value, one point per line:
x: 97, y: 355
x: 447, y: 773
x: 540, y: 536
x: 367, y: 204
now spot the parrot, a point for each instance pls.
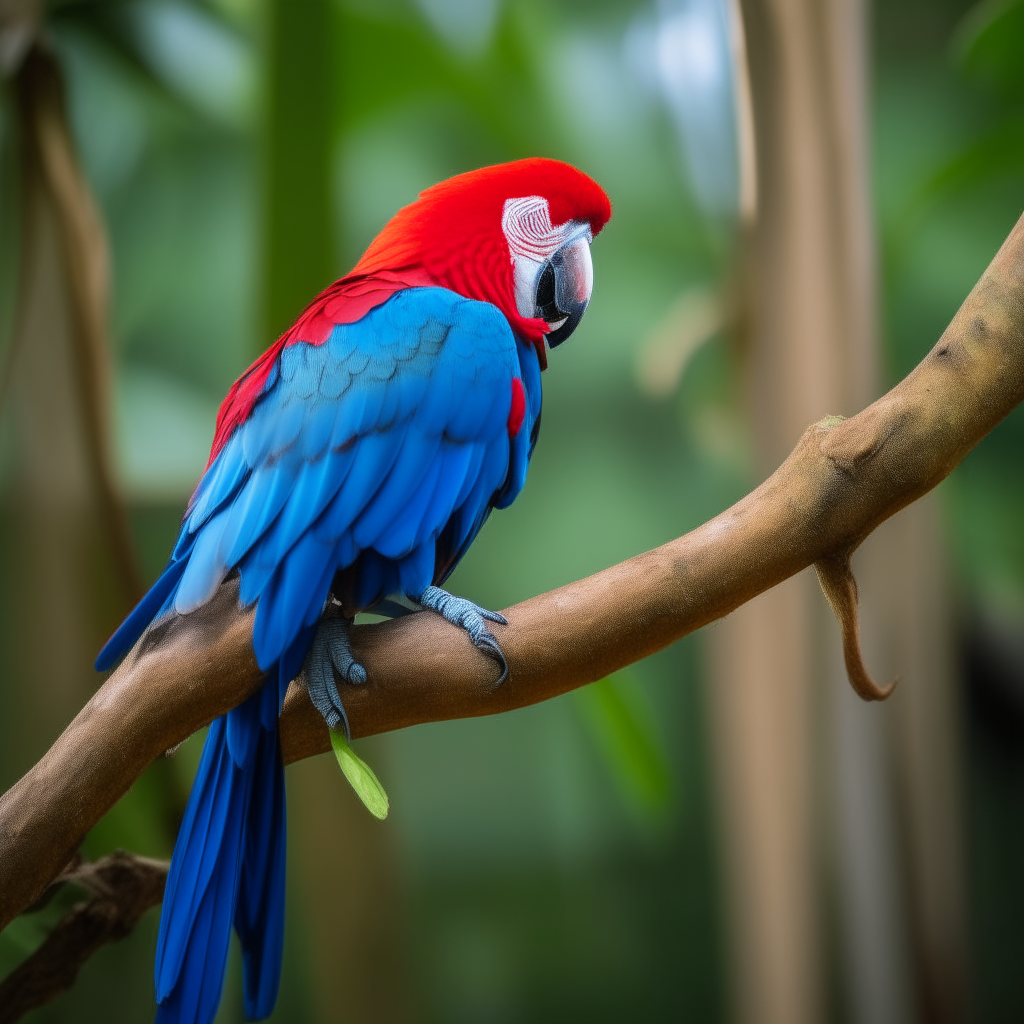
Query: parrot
x: 352, y: 465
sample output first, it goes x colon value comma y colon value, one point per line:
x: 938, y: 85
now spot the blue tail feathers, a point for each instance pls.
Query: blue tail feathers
x: 259, y: 913
x: 228, y: 869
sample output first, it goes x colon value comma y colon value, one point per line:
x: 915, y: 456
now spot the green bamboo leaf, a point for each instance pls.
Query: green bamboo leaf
x: 360, y: 776
x: 625, y: 734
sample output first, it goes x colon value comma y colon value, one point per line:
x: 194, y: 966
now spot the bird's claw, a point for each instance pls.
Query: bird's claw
x: 470, y: 617
x: 331, y: 650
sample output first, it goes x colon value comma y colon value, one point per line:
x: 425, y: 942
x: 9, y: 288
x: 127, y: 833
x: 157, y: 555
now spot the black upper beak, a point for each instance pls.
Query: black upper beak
x: 564, y: 288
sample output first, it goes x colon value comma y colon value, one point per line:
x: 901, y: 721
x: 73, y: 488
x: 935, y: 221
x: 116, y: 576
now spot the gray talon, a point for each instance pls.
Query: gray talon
x: 470, y: 617
x: 331, y: 649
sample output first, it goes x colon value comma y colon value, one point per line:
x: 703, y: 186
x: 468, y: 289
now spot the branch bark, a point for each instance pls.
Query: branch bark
x: 843, y: 478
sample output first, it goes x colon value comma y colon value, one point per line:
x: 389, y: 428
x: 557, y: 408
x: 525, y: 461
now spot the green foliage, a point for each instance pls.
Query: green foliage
x: 950, y: 139
x: 298, y: 152
x: 987, y: 50
x: 989, y: 46
x: 360, y: 776
x: 621, y: 722
x: 390, y: 60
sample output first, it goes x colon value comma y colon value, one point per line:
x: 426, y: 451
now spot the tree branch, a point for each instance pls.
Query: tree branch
x: 843, y: 478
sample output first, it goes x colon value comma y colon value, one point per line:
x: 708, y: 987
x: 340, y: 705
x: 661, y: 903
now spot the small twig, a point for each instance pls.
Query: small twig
x: 123, y: 888
x: 840, y: 589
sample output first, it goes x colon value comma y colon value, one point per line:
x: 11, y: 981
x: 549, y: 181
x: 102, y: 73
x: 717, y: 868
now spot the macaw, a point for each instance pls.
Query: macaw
x: 352, y: 465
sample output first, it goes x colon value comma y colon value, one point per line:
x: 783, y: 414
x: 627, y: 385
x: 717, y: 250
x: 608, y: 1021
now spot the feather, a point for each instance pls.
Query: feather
x: 403, y: 531
x: 205, y: 859
x: 206, y: 568
x: 241, y: 730
x: 416, y: 570
x: 218, y: 486
x: 228, y: 868
x: 259, y: 915
x: 258, y: 505
x: 459, y: 463
x: 143, y: 614
x: 299, y: 584
x: 400, y: 486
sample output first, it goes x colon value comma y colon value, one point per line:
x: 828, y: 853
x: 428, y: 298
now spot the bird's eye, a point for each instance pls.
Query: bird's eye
x: 546, y: 307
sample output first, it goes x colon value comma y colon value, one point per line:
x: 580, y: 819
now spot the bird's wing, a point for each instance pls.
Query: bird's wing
x: 362, y: 448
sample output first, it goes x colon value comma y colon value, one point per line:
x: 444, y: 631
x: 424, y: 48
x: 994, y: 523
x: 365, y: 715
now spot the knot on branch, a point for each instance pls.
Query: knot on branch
x: 840, y: 589
x: 123, y: 888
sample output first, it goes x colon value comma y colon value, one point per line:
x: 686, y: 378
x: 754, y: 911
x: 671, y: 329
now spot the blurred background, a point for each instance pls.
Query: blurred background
x: 804, y: 192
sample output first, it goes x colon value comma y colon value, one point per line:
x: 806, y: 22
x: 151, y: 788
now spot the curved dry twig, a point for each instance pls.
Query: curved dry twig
x: 840, y: 589
x: 842, y: 480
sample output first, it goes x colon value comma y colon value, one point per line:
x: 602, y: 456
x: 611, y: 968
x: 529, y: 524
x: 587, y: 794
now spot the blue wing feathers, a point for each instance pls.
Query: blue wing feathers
x: 143, y: 614
x: 241, y: 731
x: 251, y: 516
x: 291, y: 661
x: 368, y: 464
x: 312, y: 491
x: 404, y: 530
x: 218, y: 486
x: 458, y: 463
x: 206, y: 570
x: 373, y: 578
x: 285, y: 604
x: 401, y: 485
x: 522, y: 444
x: 416, y: 570
x: 473, y: 474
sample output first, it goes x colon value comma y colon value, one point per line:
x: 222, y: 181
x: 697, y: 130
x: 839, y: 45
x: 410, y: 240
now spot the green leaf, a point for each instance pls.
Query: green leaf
x: 988, y: 46
x: 625, y: 733
x: 360, y: 776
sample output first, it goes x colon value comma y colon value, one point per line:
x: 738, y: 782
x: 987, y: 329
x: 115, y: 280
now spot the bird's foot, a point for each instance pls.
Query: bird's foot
x: 470, y: 617
x: 331, y: 649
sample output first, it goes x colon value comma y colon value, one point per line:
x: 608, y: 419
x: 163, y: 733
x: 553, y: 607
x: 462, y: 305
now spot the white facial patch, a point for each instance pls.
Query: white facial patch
x: 526, y: 223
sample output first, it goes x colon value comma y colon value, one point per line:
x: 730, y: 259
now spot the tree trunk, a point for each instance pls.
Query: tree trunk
x: 830, y: 900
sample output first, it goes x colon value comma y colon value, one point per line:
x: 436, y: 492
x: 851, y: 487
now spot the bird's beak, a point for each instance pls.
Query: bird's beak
x: 564, y: 288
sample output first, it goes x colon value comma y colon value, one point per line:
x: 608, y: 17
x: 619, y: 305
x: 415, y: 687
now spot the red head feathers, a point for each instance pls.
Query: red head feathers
x: 452, y: 236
